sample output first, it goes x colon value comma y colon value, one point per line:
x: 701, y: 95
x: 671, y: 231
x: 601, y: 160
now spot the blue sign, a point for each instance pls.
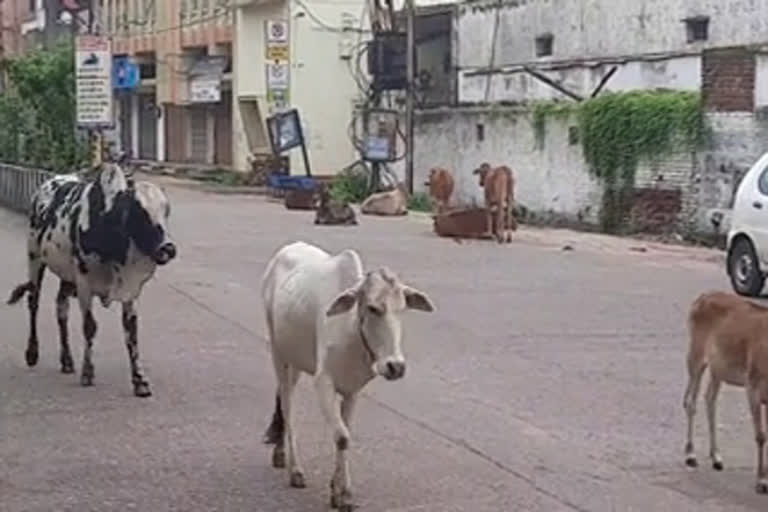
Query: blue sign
x: 125, y: 73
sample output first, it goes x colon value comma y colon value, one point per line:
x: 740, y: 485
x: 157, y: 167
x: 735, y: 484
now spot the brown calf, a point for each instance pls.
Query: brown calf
x: 440, y: 183
x: 499, y: 186
x: 728, y: 335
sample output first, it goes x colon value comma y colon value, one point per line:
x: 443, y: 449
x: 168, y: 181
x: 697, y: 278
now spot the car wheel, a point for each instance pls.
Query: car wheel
x: 744, y: 269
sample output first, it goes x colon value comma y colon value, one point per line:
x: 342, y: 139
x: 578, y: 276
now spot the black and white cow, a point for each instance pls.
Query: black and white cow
x: 102, y: 238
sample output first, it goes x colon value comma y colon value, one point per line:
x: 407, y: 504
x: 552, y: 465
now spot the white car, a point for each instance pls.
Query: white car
x: 748, y: 234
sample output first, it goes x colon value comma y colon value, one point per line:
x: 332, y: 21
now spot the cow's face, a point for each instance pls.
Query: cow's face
x: 482, y: 172
x: 381, y: 298
x: 147, y: 223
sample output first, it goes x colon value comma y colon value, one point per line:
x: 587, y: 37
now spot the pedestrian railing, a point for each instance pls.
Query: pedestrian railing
x: 17, y: 184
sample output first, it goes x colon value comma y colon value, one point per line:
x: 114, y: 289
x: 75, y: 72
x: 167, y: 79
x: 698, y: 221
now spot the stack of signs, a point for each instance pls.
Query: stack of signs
x: 93, y: 76
x: 278, y: 66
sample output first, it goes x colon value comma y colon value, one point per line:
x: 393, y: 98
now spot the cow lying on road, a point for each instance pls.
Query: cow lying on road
x: 388, y: 203
x: 440, y: 183
x: 332, y: 212
x: 499, y: 187
x: 102, y: 238
x: 728, y: 336
x: 328, y: 318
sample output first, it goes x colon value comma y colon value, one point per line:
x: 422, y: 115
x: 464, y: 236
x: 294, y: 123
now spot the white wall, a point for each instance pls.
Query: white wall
x: 516, y: 85
x: 249, y: 77
x: 321, y: 85
x: 604, y: 28
x: 646, y: 39
x: 551, y: 181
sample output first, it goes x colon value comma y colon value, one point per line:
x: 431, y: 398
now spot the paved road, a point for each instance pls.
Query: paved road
x: 546, y: 381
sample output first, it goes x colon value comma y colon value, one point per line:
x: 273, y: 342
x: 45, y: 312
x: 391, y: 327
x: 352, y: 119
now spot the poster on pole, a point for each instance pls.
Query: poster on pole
x: 93, y: 76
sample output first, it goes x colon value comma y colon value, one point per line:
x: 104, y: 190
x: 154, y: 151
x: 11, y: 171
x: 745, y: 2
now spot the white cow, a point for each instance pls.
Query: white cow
x: 327, y: 318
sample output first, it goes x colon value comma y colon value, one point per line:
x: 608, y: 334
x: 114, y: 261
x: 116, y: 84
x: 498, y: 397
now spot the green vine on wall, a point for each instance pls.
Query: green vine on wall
x: 618, y: 130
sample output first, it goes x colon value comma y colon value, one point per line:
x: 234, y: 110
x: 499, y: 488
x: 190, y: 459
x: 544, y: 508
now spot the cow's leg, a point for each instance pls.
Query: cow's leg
x: 695, y: 372
x: 756, y: 409
x: 489, y: 228
x: 66, y: 290
x: 288, y: 377
x: 131, y: 328
x: 341, y: 483
x: 276, y: 429
x: 36, y: 273
x: 89, y: 332
x: 711, y: 398
x: 501, y: 228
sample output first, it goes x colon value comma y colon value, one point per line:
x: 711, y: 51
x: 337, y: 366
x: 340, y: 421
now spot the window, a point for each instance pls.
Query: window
x: 480, y: 129
x: 762, y: 182
x: 697, y: 28
x: 544, y: 45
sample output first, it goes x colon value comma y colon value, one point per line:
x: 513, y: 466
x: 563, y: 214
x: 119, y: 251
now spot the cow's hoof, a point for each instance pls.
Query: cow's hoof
x: 142, y: 390
x: 761, y: 487
x: 67, y: 366
x: 86, y: 380
x: 718, y: 465
x: 341, y: 500
x: 31, y: 356
x: 278, y: 457
x: 297, y: 479
x: 691, y: 461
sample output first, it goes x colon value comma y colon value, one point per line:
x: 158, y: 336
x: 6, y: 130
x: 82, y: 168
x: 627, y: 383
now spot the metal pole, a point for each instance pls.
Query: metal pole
x: 409, y: 104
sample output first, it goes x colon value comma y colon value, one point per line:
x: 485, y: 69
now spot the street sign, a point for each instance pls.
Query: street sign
x: 125, y: 73
x: 205, y: 89
x: 277, y: 51
x: 277, y: 31
x: 93, y: 76
x: 277, y: 75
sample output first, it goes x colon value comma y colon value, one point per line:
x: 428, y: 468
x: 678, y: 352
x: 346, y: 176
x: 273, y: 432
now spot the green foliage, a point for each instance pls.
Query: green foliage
x: 419, y: 202
x: 618, y: 130
x: 37, y: 115
x: 350, y: 185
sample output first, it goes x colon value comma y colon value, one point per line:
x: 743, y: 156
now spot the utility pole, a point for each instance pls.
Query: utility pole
x: 409, y: 99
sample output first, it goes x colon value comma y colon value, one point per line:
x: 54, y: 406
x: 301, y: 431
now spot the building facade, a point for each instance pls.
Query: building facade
x: 513, y: 54
x: 181, y: 110
x: 301, y: 54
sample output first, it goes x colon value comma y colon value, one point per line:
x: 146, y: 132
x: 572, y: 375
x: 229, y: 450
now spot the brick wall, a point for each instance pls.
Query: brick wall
x: 655, y: 210
x: 728, y: 80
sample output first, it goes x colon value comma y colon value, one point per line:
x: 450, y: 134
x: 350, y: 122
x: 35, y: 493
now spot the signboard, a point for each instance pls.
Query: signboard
x: 277, y: 52
x: 205, y: 89
x: 277, y: 75
x: 125, y: 74
x: 93, y: 76
x: 277, y: 31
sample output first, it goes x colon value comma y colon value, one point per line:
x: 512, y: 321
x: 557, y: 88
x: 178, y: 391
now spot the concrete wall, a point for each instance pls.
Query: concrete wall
x: 603, y: 28
x: 552, y: 182
x: 515, y: 85
x: 645, y: 39
x: 681, y: 190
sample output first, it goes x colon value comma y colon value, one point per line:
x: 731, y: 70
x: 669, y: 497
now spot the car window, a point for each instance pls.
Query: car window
x: 762, y: 182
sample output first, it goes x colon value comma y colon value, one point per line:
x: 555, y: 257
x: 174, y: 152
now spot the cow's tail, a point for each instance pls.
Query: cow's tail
x: 18, y: 293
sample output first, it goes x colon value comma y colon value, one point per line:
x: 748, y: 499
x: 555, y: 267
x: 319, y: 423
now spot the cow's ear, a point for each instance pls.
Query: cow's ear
x: 415, y: 299
x: 343, y: 302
